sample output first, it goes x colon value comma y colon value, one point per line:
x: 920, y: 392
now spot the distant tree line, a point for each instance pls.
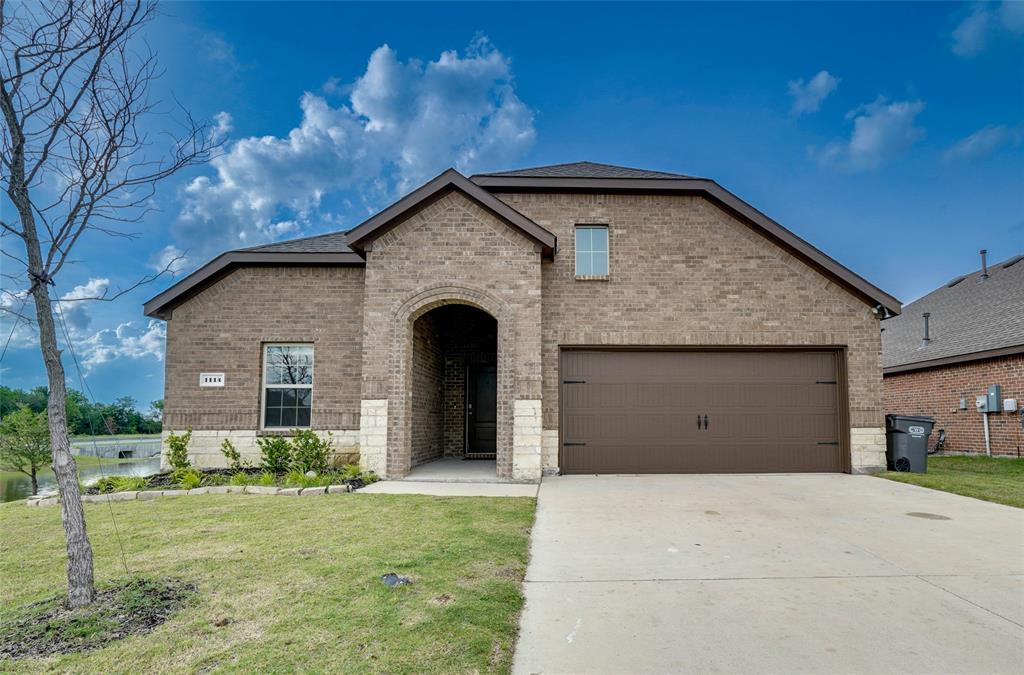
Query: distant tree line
x: 84, y: 418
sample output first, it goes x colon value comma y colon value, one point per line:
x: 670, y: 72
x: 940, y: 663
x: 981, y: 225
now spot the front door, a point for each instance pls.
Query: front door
x: 481, y: 411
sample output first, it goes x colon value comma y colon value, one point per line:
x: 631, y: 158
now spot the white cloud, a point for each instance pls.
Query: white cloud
x: 881, y: 130
x: 223, y: 123
x: 76, y: 310
x: 404, y: 122
x: 171, y: 259
x: 982, y: 143
x: 1012, y: 15
x: 971, y: 34
x: 808, y: 96
x: 125, y: 342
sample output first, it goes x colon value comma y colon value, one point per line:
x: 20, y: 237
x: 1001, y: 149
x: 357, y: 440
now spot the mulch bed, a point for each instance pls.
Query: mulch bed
x: 132, y: 607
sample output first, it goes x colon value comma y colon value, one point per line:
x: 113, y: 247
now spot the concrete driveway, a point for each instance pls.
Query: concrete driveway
x: 770, y: 574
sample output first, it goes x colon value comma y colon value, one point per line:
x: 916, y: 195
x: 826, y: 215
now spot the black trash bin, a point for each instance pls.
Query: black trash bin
x: 906, y: 442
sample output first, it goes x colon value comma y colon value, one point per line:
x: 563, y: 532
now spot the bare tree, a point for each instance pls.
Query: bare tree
x: 76, y: 160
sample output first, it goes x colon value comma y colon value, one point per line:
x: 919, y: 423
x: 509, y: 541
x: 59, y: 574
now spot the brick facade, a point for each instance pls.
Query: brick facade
x: 682, y: 273
x: 936, y: 392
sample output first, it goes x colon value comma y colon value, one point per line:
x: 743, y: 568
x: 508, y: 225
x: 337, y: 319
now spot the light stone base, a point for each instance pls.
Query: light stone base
x: 867, y: 449
x: 526, y: 439
x: 373, y: 435
x: 204, y: 448
x: 549, y: 451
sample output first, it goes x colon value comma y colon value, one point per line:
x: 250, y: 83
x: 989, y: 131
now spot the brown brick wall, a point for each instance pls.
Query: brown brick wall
x: 683, y: 272
x: 451, y: 251
x: 936, y: 392
x: 223, y: 328
x: 427, y: 391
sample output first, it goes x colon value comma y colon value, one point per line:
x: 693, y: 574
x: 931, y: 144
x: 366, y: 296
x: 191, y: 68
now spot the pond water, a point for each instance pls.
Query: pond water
x: 14, y: 486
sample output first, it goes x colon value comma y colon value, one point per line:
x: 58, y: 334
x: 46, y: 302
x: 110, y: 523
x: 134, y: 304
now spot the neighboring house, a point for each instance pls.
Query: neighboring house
x: 581, y: 318
x: 975, y: 339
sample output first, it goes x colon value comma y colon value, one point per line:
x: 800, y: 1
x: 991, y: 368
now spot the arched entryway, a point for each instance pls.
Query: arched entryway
x: 454, y: 403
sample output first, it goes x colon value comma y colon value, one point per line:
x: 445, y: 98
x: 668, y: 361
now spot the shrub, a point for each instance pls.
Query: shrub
x: 177, y: 450
x: 108, y: 484
x: 240, y: 478
x: 369, y: 477
x: 266, y: 478
x: 295, y: 478
x: 212, y: 479
x: 350, y: 472
x: 275, y: 454
x: 187, y: 478
x: 231, y: 454
x: 310, y: 452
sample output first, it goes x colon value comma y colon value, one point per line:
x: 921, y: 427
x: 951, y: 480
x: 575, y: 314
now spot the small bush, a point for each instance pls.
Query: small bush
x: 231, y: 454
x: 275, y: 454
x: 266, y: 478
x: 187, y: 478
x: 350, y: 472
x: 177, y: 450
x: 240, y: 478
x: 310, y: 452
x: 369, y: 477
x: 109, y: 484
x: 212, y: 479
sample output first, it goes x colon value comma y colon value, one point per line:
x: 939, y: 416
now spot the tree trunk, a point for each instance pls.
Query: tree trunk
x: 81, y: 588
x: 35, y: 481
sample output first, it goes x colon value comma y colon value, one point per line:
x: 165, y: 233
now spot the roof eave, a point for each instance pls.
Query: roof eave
x: 434, y: 189
x: 159, y: 306
x: 864, y: 289
x: 954, y: 360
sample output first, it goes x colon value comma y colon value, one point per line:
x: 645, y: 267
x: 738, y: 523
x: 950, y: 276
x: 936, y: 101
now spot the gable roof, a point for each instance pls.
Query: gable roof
x: 971, y: 319
x: 582, y: 170
x: 332, y: 242
x: 587, y: 177
x: 436, y: 188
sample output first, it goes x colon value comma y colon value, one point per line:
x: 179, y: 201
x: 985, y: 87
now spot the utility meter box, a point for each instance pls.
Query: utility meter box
x: 995, y: 394
x: 981, y: 404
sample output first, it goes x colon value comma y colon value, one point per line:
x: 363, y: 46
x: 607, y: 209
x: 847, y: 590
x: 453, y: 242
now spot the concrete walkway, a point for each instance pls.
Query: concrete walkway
x: 770, y: 574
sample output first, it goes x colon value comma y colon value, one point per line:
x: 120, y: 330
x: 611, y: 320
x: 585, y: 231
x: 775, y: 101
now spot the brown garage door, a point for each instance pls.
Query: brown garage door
x: 699, y: 412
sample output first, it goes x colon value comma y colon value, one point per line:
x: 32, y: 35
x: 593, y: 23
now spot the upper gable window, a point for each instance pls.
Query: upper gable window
x: 287, y: 386
x: 591, y: 250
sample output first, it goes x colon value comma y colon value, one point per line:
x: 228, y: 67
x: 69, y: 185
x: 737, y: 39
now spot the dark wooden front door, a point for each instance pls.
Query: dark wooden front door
x: 699, y: 412
x: 481, y: 410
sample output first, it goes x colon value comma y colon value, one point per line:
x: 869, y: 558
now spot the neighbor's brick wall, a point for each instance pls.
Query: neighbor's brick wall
x: 223, y: 328
x: 427, y: 391
x: 450, y: 251
x: 936, y: 392
x: 684, y: 272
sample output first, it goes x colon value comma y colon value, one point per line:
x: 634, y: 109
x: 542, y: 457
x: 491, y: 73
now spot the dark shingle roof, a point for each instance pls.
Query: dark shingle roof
x: 584, y: 170
x: 333, y: 242
x: 967, y: 316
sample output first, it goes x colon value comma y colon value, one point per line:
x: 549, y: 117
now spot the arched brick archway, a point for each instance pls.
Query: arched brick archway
x: 400, y: 409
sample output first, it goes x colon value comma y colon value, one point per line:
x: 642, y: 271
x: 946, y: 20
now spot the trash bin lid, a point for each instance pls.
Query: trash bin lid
x: 911, y: 418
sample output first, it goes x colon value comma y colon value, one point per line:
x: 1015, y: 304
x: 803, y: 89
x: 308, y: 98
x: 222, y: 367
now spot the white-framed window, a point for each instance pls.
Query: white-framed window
x: 287, y: 385
x: 591, y: 250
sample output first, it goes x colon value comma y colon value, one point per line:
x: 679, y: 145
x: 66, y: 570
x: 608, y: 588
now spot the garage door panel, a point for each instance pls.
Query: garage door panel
x: 636, y: 412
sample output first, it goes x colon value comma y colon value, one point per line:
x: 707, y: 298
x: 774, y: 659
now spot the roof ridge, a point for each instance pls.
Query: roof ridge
x: 563, y: 170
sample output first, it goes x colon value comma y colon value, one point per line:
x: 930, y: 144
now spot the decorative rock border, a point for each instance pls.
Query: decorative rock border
x: 145, y: 495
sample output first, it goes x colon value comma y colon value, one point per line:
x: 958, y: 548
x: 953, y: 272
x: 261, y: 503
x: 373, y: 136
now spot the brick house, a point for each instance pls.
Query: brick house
x: 581, y: 318
x: 975, y: 339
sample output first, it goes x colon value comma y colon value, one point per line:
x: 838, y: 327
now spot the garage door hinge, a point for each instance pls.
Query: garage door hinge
x: 828, y: 442
x: 574, y: 381
x: 825, y: 382
x: 573, y: 444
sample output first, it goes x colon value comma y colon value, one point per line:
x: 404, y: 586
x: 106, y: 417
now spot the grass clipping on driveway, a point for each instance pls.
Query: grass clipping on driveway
x: 993, y: 479
x: 291, y: 583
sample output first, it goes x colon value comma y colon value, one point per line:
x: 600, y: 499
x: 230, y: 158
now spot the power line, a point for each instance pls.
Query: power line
x: 92, y: 429
x: 17, y: 316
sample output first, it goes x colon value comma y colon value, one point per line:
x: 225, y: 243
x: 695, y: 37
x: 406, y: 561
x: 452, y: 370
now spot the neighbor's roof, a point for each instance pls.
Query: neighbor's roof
x: 582, y: 170
x: 970, y: 319
x: 333, y: 242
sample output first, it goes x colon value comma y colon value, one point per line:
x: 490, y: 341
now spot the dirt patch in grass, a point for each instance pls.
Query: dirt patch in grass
x: 131, y: 607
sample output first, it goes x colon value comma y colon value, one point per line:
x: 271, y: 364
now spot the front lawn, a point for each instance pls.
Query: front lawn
x: 293, y: 584
x: 993, y: 479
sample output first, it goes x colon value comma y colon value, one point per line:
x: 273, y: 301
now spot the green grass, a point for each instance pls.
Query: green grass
x: 993, y: 479
x: 293, y: 584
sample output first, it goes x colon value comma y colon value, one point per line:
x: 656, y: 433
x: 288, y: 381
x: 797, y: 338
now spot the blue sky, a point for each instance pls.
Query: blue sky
x: 889, y: 135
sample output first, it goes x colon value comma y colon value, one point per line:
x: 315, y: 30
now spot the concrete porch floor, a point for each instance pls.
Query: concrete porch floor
x: 456, y: 470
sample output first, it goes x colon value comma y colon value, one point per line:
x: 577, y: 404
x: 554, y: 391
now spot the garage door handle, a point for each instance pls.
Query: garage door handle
x: 573, y: 444
x: 698, y: 422
x: 705, y: 423
x: 574, y: 381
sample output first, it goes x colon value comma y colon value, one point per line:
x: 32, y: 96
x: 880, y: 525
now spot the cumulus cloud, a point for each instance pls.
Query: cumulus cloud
x: 170, y: 259
x: 982, y: 143
x: 404, y: 121
x: 127, y: 341
x: 222, y: 126
x: 808, y: 96
x: 881, y: 130
x: 74, y: 305
x: 971, y: 35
